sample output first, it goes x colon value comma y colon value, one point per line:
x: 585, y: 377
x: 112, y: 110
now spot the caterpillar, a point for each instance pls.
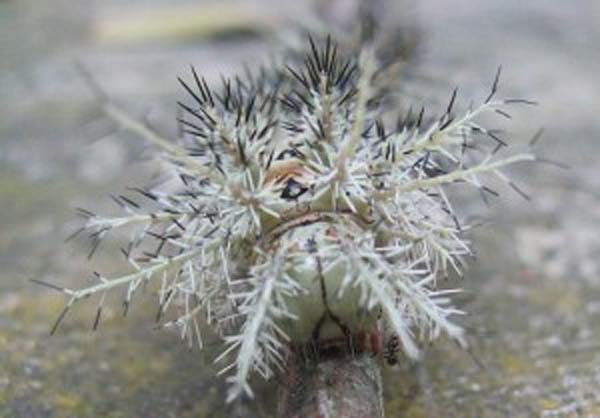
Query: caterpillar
x: 302, y: 214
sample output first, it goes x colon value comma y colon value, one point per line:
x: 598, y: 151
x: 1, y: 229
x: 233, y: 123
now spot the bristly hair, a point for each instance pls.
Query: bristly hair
x: 295, y: 192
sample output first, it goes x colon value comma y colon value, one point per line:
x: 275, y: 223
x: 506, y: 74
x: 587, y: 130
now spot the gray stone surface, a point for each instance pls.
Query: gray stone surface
x: 533, y: 293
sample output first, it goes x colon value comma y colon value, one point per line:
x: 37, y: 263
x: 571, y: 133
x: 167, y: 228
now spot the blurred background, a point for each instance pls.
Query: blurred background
x: 533, y: 293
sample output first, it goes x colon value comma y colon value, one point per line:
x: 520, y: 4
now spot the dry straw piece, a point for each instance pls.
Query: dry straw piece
x: 302, y: 216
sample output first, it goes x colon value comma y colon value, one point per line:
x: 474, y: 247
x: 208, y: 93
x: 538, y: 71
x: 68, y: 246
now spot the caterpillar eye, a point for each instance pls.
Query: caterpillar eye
x: 288, y: 153
x: 293, y: 190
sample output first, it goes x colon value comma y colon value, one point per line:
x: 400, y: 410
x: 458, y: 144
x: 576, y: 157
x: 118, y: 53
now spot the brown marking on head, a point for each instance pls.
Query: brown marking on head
x: 281, y: 171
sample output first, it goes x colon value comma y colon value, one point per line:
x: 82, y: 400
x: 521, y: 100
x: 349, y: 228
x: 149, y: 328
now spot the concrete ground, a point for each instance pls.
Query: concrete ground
x: 533, y: 292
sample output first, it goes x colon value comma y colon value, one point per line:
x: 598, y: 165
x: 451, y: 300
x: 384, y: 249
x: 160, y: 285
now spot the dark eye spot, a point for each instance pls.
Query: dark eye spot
x: 293, y: 190
x: 288, y: 153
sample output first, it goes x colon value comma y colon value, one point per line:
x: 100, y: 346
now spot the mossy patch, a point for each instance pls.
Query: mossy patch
x: 513, y: 364
x: 68, y: 402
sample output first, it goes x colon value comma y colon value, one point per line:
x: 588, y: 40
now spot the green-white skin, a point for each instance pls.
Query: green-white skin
x: 324, y: 296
